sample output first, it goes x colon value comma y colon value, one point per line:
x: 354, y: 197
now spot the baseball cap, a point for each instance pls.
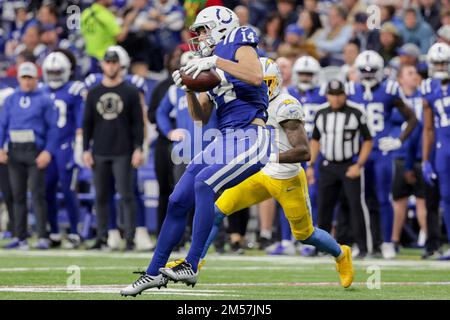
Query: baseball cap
x: 111, y: 56
x: 335, y: 87
x: 295, y: 29
x: 409, y: 49
x: 27, y: 69
x: 389, y: 27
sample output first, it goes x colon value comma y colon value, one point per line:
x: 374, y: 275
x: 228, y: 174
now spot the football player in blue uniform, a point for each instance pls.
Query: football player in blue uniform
x: 436, y: 122
x: 68, y: 98
x: 241, y: 101
x: 142, y: 238
x: 378, y: 98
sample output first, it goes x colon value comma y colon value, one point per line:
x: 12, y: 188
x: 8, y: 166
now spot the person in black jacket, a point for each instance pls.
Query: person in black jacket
x: 113, y: 129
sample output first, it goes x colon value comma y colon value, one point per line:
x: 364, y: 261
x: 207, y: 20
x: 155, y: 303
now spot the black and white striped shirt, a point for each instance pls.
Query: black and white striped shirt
x: 339, y: 132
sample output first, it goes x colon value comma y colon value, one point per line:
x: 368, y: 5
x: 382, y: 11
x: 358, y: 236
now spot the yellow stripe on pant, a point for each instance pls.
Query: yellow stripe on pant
x: 292, y: 194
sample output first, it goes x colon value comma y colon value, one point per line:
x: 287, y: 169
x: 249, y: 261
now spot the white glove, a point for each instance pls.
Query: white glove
x: 78, y: 150
x: 387, y: 144
x: 176, y: 76
x: 198, y: 65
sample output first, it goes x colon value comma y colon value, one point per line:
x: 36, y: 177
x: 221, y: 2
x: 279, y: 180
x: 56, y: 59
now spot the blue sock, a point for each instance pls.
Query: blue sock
x: 323, y: 241
x: 286, y: 233
x: 219, y: 216
x: 203, y: 221
x: 172, y: 230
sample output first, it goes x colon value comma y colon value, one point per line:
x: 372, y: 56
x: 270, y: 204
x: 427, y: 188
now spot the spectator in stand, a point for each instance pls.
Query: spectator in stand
x: 285, y: 66
x: 445, y: 17
x: 31, y: 42
x: 244, y: 18
x: 351, y: 51
x: 288, y: 11
x: 390, y: 41
x: 294, y: 44
x: 332, y: 40
x: 430, y: 12
x: 388, y: 15
x: 416, y: 30
x: 310, y: 22
x: 353, y: 8
x: 272, y: 34
x: 367, y: 39
x: 18, y: 28
x: 101, y: 30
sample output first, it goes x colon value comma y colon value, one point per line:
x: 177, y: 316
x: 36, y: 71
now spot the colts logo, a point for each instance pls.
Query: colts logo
x: 110, y: 106
x: 223, y: 21
x: 25, y: 102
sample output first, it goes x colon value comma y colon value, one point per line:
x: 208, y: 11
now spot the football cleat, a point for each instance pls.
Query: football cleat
x: 174, y: 263
x: 73, y: 241
x: 181, y: 272
x: 344, y: 266
x: 42, y: 244
x: 145, y: 282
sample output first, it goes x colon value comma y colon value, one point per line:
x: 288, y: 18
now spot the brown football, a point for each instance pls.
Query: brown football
x: 205, y: 81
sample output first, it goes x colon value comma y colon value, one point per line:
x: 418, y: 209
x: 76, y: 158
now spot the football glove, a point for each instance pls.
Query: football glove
x: 198, y: 65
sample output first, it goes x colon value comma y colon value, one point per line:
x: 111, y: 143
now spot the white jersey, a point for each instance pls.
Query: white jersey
x: 283, y: 107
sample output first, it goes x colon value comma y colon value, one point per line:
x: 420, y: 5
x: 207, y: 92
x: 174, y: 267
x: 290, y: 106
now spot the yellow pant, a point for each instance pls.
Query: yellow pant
x: 292, y: 194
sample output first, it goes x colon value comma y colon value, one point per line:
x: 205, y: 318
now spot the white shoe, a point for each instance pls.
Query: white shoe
x: 73, y: 241
x: 114, y: 239
x: 388, y: 250
x: 272, y: 247
x: 355, y: 250
x: 422, y: 238
x: 145, y: 282
x: 142, y: 239
x: 181, y: 272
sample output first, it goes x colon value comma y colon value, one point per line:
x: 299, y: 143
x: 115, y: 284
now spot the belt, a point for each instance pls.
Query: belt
x: 258, y: 122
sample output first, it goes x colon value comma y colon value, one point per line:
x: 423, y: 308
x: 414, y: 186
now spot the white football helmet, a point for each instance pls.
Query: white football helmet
x: 272, y: 76
x: 438, y: 59
x: 124, y: 58
x: 306, y: 73
x: 369, y: 65
x: 56, y: 69
x: 218, y: 22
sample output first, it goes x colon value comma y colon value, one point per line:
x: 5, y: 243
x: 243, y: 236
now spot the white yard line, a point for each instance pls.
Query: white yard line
x: 279, y: 261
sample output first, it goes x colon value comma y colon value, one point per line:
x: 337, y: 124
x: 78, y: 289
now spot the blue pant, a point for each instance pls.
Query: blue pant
x: 443, y: 171
x: 379, y: 177
x: 62, y: 169
x: 233, y: 161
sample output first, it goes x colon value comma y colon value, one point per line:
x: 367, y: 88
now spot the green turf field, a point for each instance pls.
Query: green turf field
x: 44, y: 275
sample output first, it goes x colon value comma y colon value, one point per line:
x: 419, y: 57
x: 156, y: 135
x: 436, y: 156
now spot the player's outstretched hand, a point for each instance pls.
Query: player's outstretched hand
x: 200, y: 64
x: 387, y: 144
x: 428, y: 173
x: 176, y: 76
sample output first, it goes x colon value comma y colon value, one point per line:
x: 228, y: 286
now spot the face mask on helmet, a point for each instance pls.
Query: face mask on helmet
x: 439, y: 69
x: 272, y: 84
x: 305, y: 80
x: 203, y: 44
x: 55, y: 78
x: 368, y: 76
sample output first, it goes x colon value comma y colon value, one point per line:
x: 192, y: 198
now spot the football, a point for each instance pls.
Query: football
x: 205, y: 81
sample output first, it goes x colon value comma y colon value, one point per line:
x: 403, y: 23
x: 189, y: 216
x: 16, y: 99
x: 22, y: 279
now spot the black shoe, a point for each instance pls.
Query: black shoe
x: 264, y: 243
x: 432, y: 255
x: 361, y: 256
x: 236, y: 248
x: 129, y: 245
x: 99, y: 245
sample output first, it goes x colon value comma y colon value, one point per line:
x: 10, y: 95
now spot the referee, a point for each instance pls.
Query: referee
x: 338, y: 131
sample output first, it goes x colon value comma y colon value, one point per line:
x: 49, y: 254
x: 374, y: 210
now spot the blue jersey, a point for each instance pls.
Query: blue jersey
x: 411, y: 149
x: 95, y: 78
x: 174, y: 106
x: 237, y: 102
x: 312, y: 101
x: 378, y: 104
x: 438, y: 98
x: 69, y: 104
x: 29, y: 117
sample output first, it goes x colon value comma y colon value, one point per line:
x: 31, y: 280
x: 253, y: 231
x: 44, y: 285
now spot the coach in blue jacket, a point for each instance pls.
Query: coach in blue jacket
x: 28, y: 125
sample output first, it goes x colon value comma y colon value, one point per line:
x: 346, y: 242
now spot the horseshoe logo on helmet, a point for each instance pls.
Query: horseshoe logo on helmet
x: 222, y: 20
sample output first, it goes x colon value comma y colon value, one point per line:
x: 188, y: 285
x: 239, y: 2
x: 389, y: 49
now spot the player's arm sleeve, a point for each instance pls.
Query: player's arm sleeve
x: 290, y: 109
x: 243, y: 36
x: 88, y: 121
x: 363, y: 127
x: 163, y: 115
x: 51, y: 118
x: 137, y: 120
